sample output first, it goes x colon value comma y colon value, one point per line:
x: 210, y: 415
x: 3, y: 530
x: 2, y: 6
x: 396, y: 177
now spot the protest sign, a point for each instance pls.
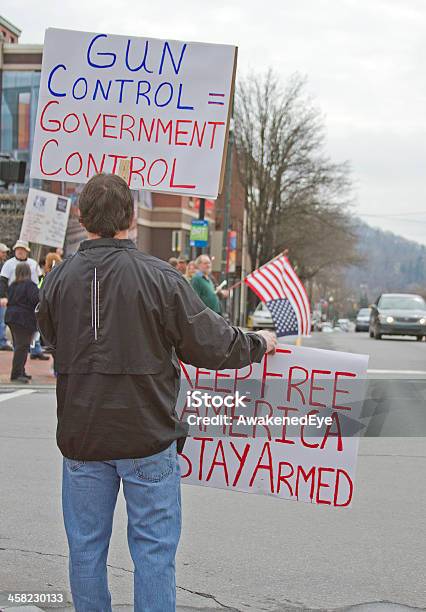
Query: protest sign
x: 161, y: 104
x: 287, y: 427
x: 45, y: 218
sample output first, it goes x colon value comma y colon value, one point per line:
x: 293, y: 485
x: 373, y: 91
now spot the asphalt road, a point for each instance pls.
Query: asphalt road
x: 238, y: 551
x: 396, y: 397
x: 397, y: 354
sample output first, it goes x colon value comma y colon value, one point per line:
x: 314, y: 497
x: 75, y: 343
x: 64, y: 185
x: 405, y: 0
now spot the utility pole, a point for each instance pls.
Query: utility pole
x: 227, y: 207
x: 243, y: 287
x: 201, y: 215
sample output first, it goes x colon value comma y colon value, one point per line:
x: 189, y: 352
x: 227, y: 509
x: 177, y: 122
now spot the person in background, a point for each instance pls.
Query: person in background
x: 23, y: 297
x: 21, y: 253
x: 42, y: 265
x: 47, y: 264
x: 52, y: 260
x: 4, y: 250
x: 203, y: 285
x: 4, y: 344
x: 182, y: 262
x: 191, y: 269
x: 173, y: 262
x: 7, y: 277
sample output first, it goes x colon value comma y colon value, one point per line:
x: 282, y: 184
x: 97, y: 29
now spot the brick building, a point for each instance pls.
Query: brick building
x: 8, y: 32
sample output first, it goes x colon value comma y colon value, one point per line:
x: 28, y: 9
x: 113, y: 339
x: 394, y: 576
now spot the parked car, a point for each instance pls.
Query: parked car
x: 344, y: 324
x: 398, y: 314
x: 363, y: 320
x: 261, y: 318
x: 327, y: 327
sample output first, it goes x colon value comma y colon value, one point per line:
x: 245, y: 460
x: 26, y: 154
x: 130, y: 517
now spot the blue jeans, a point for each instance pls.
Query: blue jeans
x: 151, y: 489
x: 3, y: 337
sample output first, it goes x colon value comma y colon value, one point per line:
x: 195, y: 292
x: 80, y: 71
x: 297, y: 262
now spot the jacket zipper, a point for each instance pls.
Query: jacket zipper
x: 94, y: 301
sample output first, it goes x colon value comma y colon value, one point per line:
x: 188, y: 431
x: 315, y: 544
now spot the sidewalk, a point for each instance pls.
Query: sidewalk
x: 184, y: 603
x: 114, y: 609
x: 367, y: 607
x: 39, y: 370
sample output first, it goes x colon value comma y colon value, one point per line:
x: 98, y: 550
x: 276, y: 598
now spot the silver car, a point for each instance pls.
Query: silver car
x: 261, y: 318
x: 363, y: 320
x: 398, y: 314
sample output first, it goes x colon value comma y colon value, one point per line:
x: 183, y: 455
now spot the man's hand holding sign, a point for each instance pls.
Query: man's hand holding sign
x: 271, y: 340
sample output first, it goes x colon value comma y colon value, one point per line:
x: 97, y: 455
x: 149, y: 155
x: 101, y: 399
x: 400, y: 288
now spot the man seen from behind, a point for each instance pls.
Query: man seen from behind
x: 118, y: 320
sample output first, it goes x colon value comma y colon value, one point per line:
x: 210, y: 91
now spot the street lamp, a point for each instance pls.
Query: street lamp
x: 330, y: 310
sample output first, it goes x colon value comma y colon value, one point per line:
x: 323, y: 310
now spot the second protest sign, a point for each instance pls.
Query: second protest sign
x: 253, y: 448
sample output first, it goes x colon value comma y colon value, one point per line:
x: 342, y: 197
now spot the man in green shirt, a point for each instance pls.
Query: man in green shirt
x: 203, y: 285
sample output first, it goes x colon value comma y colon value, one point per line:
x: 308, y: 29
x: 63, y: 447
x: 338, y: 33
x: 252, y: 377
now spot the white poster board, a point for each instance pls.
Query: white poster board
x: 162, y: 105
x: 45, y: 218
x: 294, y: 460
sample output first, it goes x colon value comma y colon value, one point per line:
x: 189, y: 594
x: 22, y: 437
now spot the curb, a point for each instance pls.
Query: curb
x: 22, y: 609
x: 35, y: 386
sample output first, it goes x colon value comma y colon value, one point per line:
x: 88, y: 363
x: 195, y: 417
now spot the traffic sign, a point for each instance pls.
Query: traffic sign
x: 199, y: 236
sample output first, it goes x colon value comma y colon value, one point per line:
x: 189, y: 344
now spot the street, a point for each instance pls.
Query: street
x: 391, y: 353
x: 239, y: 551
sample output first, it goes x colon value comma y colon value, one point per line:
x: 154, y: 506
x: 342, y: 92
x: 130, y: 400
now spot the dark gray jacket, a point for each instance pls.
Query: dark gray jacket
x: 117, y: 318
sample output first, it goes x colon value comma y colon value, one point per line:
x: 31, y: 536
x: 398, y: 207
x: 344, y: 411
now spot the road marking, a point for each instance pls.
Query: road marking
x: 7, y: 396
x: 416, y: 372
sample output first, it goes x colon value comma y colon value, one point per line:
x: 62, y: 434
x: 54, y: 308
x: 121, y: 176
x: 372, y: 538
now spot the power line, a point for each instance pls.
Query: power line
x: 403, y: 214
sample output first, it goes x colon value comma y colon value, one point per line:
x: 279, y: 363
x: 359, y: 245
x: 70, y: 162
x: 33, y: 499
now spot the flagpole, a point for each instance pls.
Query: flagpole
x: 240, y: 282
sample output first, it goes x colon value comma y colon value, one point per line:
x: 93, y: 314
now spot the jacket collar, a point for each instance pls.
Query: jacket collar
x: 123, y: 243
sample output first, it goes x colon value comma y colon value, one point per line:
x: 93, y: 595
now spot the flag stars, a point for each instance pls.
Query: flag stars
x: 284, y: 317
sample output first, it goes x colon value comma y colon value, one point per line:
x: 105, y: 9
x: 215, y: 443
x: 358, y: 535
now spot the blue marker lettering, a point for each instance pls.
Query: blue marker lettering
x: 122, y: 81
x: 98, y: 53
x: 80, y: 80
x: 143, y: 63
x: 143, y: 94
x: 159, y: 88
x: 163, y: 56
x: 98, y: 85
x: 179, y: 105
x: 49, y: 81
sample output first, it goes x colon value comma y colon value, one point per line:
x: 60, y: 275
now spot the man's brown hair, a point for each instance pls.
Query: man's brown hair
x: 106, y: 205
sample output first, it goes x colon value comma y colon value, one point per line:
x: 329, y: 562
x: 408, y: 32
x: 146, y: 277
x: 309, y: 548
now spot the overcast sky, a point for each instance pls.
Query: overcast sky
x: 364, y: 61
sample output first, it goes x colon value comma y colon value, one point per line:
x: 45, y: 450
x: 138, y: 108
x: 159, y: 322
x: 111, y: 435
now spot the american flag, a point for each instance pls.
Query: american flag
x: 279, y: 287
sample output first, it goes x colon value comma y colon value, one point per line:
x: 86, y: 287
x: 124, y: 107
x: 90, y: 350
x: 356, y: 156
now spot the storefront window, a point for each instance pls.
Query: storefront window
x: 24, y: 120
x: 19, y: 100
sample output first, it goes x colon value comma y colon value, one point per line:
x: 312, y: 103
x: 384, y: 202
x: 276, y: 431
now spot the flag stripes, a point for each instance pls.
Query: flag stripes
x: 277, y: 280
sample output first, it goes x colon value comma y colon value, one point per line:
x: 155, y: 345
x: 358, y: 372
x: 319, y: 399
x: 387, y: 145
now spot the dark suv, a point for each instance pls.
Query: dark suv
x: 398, y: 314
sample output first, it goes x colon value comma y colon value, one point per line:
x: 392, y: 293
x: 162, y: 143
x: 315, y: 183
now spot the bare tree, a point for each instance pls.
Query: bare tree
x: 319, y: 240
x: 291, y: 187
